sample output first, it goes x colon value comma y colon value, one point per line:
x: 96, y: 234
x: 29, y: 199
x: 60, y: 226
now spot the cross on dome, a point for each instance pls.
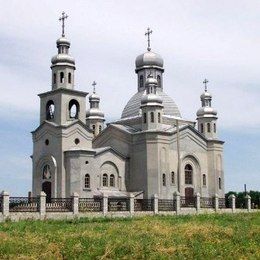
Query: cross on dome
x: 205, y: 83
x: 62, y: 19
x: 94, y: 86
x: 148, y: 33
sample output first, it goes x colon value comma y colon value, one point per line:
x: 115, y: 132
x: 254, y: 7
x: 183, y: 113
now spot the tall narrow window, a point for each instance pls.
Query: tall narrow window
x: 208, y: 127
x: 69, y: 78
x: 50, y: 108
x: 204, y: 181
x: 159, y: 117
x: 61, y: 77
x: 145, y: 118
x: 112, y: 180
x: 141, y: 81
x: 219, y: 183
x: 54, y: 78
x: 87, y: 181
x: 93, y: 128
x: 100, y: 129
x: 188, y: 174
x: 164, y: 179
x: 173, y: 178
x: 152, y: 117
x: 159, y: 80
x: 215, y: 128
x: 46, y: 172
x: 105, y: 180
x: 201, y: 128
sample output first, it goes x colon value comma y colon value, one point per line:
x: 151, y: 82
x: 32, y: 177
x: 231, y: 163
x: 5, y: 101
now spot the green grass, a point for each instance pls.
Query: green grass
x: 227, y: 236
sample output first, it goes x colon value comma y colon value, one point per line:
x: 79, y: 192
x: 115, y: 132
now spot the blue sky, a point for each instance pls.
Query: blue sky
x: 219, y: 40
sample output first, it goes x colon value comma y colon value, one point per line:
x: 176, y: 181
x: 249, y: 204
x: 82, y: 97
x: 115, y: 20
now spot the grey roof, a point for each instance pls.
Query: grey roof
x: 132, y: 108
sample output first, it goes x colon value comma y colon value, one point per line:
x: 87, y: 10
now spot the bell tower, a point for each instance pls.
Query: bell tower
x: 206, y: 115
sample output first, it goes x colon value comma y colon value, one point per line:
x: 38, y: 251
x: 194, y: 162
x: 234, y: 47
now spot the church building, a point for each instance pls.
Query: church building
x: 150, y: 150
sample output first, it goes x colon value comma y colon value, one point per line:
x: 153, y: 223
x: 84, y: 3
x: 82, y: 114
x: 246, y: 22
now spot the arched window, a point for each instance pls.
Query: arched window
x: 54, y: 78
x: 105, y: 180
x: 201, y: 128
x: 188, y: 174
x: 159, y: 117
x: 159, y: 80
x: 50, y: 108
x: 61, y: 77
x: 46, y: 172
x: 204, y: 180
x: 87, y: 181
x: 215, y: 128
x: 145, y: 118
x: 208, y: 127
x: 69, y: 78
x: 93, y: 128
x: 141, y: 81
x: 173, y: 178
x: 152, y: 117
x: 74, y: 109
x: 164, y: 179
x: 112, y: 180
x: 100, y: 129
x: 219, y: 183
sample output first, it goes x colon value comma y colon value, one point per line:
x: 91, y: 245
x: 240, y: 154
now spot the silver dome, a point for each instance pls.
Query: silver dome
x: 206, y: 111
x: 149, y: 58
x: 62, y: 58
x: 94, y: 112
x: 132, y: 108
x: 63, y: 41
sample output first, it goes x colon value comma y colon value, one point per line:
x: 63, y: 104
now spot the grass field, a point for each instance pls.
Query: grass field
x: 227, y: 236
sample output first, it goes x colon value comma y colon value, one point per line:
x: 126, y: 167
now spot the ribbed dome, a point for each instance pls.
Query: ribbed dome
x: 148, y: 58
x: 132, y: 108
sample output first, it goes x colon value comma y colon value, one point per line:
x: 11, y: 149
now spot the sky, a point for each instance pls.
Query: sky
x: 217, y: 40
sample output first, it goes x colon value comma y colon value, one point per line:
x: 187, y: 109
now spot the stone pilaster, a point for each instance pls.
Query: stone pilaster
x: 216, y: 204
x: 5, y: 206
x: 232, y: 201
x: 105, y: 204
x: 75, y: 203
x: 42, y: 203
x: 132, y: 203
x: 177, y: 198
x: 197, y: 202
x: 248, y: 202
x: 155, y: 204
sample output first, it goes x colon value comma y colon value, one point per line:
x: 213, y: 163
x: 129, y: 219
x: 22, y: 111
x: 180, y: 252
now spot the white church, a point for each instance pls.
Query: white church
x: 150, y: 150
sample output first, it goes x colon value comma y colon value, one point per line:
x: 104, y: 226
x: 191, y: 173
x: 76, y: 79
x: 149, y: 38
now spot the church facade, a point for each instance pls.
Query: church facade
x: 150, y: 150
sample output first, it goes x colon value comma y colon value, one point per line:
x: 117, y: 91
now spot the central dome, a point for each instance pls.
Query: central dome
x: 149, y: 58
x: 132, y: 108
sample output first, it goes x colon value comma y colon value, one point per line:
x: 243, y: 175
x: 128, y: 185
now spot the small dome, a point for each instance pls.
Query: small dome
x: 63, y: 41
x: 62, y: 58
x: 148, y: 58
x: 151, y: 81
x: 204, y: 111
x: 94, y: 97
x: 94, y: 112
x: 205, y: 95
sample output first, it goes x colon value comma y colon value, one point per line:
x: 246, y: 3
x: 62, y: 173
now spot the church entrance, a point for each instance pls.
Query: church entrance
x: 46, y: 187
x: 189, y: 192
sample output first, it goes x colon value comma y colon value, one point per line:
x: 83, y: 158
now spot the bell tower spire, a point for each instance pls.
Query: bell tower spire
x: 63, y: 64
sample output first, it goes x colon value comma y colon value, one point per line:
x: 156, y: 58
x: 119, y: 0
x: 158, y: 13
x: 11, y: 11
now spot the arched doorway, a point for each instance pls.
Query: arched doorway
x: 46, y: 187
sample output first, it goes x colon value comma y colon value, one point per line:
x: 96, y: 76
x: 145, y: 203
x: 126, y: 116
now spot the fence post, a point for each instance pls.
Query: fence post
x: 75, y: 203
x: 216, y: 202
x: 42, y: 203
x: 132, y: 203
x: 155, y: 204
x: 248, y: 202
x: 198, y: 202
x: 105, y: 204
x: 177, y: 198
x: 5, y: 201
x: 232, y: 201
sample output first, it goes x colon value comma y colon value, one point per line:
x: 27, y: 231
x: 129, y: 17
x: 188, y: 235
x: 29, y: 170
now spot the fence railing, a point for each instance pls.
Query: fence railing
x: 143, y: 205
x: 1, y: 203
x: 222, y: 203
x: 59, y: 205
x: 23, y: 204
x: 166, y: 205
x: 90, y: 204
x: 207, y: 202
x: 118, y: 204
x: 188, y: 202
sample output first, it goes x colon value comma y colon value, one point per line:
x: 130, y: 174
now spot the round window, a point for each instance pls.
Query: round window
x: 76, y: 141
